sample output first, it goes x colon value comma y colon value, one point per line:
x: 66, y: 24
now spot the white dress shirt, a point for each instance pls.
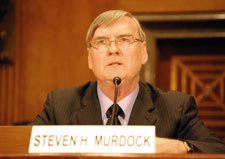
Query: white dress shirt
x: 126, y: 104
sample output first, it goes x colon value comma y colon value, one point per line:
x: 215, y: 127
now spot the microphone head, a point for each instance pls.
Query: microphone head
x: 117, y: 80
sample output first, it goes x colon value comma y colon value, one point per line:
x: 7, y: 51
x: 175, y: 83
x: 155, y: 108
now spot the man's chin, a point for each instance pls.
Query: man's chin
x: 109, y: 75
x: 116, y: 75
x: 110, y: 78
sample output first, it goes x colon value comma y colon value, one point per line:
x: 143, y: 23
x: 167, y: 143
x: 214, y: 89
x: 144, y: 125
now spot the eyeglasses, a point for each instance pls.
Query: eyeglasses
x: 122, y: 42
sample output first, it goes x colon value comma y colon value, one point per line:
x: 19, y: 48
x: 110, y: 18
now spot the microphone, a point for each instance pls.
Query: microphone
x: 116, y: 81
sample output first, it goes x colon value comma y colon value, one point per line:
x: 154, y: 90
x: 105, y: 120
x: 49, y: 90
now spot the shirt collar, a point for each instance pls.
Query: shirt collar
x: 126, y: 103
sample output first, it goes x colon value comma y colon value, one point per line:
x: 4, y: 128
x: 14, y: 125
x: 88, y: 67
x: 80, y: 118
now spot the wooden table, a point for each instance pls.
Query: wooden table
x: 14, y: 143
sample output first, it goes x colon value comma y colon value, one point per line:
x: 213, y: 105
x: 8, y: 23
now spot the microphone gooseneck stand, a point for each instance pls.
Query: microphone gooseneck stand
x: 116, y: 81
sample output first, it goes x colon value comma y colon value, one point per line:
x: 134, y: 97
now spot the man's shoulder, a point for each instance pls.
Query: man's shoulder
x: 169, y: 101
x: 73, y: 91
x: 158, y: 93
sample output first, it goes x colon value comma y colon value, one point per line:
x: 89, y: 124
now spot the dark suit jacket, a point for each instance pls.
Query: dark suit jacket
x: 173, y: 113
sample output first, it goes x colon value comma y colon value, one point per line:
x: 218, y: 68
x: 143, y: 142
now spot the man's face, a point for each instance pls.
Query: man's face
x: 124, y: 63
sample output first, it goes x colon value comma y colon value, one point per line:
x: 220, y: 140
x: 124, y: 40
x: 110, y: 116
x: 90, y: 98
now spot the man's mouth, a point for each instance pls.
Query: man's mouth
x: 114, y: 64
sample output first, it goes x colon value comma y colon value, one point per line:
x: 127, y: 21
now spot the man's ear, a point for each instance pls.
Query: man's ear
x: 89, y: 59
x: 144, y: 53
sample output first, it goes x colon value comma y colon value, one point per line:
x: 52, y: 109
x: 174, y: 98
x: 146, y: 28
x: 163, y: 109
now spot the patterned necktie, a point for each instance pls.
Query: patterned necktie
x: 118, y: 112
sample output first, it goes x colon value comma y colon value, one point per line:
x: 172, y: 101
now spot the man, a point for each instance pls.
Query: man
x: 116, y: 47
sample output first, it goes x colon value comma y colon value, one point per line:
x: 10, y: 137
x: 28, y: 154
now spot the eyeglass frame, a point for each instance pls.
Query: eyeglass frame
x: 108, y: 42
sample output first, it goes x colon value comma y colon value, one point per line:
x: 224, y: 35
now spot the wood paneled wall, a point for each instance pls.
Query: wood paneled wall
x: 51, y: 50
x: 172, y: 6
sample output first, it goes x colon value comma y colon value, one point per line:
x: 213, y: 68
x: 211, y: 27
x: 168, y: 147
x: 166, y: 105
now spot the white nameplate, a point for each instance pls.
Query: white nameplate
x: 92, y: 139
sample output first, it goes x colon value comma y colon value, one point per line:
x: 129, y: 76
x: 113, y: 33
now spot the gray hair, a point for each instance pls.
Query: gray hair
x: 108, y: 18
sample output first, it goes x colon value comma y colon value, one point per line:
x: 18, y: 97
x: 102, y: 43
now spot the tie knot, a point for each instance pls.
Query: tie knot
x: 118, y: 111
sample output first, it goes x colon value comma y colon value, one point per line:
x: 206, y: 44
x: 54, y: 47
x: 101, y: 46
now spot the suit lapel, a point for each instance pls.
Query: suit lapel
x: 90, y: 113
x: 143, y: 112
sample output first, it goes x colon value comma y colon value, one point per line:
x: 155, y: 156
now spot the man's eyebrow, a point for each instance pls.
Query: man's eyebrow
x: 122, y: 35
x: 105, y: 37
x: 100, y: 37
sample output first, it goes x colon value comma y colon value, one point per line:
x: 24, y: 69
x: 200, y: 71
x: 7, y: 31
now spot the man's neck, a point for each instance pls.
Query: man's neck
x: 125, y: 88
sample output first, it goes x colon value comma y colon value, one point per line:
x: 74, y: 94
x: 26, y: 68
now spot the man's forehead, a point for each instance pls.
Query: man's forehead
x: 124, y: 25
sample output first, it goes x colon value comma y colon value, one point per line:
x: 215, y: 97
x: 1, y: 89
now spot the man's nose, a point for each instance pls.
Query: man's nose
x: 113, y: 48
